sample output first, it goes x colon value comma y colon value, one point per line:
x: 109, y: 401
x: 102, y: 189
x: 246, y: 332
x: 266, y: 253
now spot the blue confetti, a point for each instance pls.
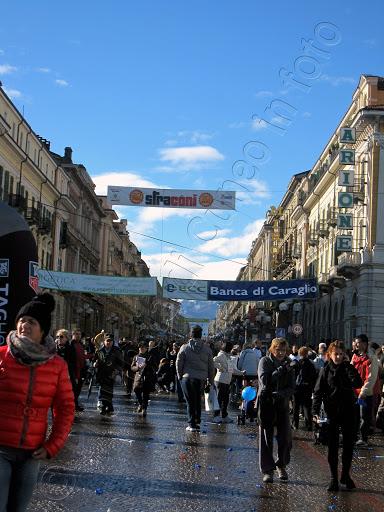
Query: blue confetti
x: 197, y: 466
x: 229, y: 449
x: 99, y: 490
x: 169, y: 442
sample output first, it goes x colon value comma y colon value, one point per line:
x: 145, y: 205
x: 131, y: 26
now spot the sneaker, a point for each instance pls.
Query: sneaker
x: 144, y: 413
x: 268, y: 477
x: 216, y: 419
x: 282, y: 473
x: 103, y: 412
x: 110, y: 413
x: 362, y: 444
x: 191, y: 429
x: 347, y: 481
x: 139, y: 409
x: 227, y: 419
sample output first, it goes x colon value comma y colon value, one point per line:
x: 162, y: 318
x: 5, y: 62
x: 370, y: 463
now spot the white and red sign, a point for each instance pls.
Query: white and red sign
x: 172, y: 198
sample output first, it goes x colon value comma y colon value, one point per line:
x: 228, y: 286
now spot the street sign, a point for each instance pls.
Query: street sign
x: 297, y: 329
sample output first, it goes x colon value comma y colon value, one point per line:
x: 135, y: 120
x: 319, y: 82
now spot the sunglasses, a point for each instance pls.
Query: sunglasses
x: 61, y: 336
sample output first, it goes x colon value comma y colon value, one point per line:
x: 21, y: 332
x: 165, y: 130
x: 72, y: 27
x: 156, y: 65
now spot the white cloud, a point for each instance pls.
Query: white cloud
x: 123, y: 179
x: 238, y: 124
x: 250, y: 191
x: 6, y: 69
x: 43, y: 70
x: 12, y: 93
x: 259, y: 124
x: 307, y: 114
x: 61, y: 83
x: 335, y: 81
x: 264, y: 94
x: 190, y: 155
x: 208, y: 235
x: 2, y: 52
x: 190, y: 266
x: 371, y: 43
x: 238, y: 246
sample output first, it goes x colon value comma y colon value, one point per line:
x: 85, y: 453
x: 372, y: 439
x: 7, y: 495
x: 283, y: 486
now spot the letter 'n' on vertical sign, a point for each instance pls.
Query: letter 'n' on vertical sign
x: 345, y: 221
x: 347, y: 157
x: 347, y: 135
x: 345, y: 200
x: 346, y: 178
x: 344, y: 243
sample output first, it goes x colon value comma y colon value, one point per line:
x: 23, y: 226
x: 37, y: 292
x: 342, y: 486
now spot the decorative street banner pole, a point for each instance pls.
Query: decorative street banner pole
x: 18, y: 267
x: 171, y: 198
x: 298, y: 289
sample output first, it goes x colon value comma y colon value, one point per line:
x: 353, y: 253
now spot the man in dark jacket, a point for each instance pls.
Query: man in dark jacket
x: 305, y: 382
x: 108, y: 360
x: 276, y: 386
x: 194, y: 367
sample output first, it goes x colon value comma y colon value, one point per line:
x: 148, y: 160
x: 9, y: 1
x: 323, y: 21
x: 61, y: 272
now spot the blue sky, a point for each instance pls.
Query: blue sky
x: 165, y: 93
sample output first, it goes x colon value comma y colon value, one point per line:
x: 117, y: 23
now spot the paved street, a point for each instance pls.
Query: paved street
x: 129, y: 463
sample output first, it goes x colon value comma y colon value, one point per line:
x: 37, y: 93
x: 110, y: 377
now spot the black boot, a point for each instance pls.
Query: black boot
x: 333, y: 485
x: 346, y: 480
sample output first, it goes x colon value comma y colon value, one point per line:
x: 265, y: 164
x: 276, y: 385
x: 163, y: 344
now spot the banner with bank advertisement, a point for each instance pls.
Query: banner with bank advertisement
x: 172, y: 198
x: 100, y: 285
x: 298, y: 289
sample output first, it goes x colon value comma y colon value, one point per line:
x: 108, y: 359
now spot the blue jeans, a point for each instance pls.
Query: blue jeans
x: 192, y: 389
x: 18, y: 477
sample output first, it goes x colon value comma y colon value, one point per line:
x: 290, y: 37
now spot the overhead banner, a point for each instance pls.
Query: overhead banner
x: 100, y: 285
x: 298, y: 289
x: 192, y: 289
x: 172, y: 198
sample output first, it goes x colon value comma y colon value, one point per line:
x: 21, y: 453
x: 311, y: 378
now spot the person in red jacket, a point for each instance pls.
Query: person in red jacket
x: 33, y: 380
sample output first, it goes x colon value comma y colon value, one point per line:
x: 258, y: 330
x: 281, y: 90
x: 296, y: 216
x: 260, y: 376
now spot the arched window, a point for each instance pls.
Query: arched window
x: 354, y: 300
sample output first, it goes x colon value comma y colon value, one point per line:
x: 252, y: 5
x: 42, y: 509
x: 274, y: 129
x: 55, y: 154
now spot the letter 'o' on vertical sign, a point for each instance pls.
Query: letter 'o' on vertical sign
x: 345, y: 200
x: 18, y: 267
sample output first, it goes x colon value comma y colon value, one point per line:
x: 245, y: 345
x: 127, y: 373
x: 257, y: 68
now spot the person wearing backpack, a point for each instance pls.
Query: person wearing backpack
x: 305, y: 382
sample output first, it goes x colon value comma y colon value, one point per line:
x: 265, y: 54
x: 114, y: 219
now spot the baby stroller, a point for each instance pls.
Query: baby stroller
x: 247, y: 407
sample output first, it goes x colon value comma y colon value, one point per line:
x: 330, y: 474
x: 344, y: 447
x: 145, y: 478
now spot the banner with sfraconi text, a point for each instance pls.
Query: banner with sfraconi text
x: 172, y: 198
x: 100, y: 285
x: 298, y: 289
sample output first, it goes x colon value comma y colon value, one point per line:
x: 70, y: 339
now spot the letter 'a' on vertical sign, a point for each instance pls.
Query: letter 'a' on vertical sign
x: 345, y: 221
x: 346, y: 178
x: 18, y: 267
x: 347, y: 157
x: 344, y: 243
x: 345, y: 200
x: 347, y: 135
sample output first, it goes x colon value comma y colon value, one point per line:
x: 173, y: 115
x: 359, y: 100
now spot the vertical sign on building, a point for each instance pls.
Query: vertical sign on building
x: 345, y: 198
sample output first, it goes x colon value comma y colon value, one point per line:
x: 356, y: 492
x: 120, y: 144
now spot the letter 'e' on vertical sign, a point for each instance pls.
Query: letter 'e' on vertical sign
x: 345, y: 221
x: 347, y: 135
x: 345, y: 200
x: 347, y: 157
x: 344, y: 243
x: 346, y: 178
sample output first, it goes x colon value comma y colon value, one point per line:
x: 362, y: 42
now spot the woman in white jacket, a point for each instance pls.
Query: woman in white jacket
x: 225, y: 368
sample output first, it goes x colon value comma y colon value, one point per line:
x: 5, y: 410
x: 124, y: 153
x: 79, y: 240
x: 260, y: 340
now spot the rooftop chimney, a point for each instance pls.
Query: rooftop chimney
x: 67, y: 155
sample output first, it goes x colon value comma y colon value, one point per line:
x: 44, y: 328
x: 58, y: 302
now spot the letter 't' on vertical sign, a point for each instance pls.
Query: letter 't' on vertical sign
x: 347, y: 157
x: 18, y: 267
x: 346, y: 178
x: 345, y: 200
x: 344, y: 243
x: 345, y: 221
x: 347, y: 135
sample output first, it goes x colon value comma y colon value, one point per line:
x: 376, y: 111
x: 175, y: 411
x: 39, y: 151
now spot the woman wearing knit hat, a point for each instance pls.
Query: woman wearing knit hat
x: 33, y: 379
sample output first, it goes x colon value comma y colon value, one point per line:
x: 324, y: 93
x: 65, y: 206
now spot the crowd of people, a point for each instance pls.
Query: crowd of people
x: 332, y: 386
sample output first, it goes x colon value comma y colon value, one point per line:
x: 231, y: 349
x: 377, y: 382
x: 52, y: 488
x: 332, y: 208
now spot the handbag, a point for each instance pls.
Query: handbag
x: 211, y: 401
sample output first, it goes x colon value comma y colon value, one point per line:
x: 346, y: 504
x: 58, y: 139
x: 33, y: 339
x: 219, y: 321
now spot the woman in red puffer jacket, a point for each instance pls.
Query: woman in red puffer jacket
x: 33, y: 379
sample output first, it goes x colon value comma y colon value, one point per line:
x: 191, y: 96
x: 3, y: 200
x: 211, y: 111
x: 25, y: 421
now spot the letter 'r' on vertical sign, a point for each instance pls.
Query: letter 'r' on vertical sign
x: 347, y: 157
x: 346, y: 178
x: 347, y: 135
x: 344, y: 243
x: 345, y: 200
x: 345, y: 221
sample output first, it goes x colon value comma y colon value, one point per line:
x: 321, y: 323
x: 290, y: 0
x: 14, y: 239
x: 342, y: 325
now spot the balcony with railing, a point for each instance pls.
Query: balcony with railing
x: 323, y: 282
x: 348, y: 264
x: 334, y: 278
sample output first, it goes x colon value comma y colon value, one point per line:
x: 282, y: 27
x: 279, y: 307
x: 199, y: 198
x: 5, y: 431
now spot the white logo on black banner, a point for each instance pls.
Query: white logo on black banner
x: 4, y: 267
